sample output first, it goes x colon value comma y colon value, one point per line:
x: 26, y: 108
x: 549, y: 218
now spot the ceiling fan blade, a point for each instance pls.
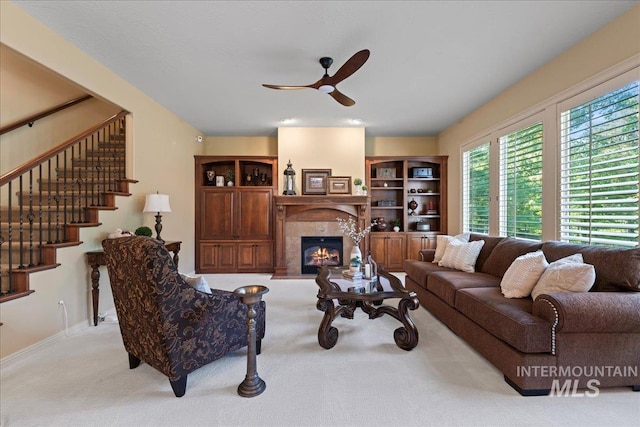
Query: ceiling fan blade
x: 342, y: 98
x: 351, y: 66
x: 286, y: 87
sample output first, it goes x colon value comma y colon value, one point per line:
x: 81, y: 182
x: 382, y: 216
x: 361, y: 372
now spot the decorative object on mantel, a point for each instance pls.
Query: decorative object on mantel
x: 289, y: 180
x: 358, y: 183
x: 157, y: 203
x: 364, y: 190
x: 314, y: 181
x: 339, y: 185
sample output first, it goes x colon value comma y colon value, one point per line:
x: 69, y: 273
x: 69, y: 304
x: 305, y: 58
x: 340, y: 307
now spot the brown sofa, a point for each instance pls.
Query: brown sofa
x: 587, y: 340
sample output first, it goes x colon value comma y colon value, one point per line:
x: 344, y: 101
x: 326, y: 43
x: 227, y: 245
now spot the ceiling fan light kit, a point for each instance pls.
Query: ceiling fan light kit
x: 327, y: 84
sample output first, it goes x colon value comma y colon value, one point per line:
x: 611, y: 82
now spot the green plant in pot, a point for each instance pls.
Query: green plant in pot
x: 229, y: 176
x: 396, y: 223
x: 143, y: 231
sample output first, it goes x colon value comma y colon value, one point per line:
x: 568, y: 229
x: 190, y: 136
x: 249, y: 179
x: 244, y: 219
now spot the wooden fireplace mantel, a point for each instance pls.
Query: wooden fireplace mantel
x: 315, y: 208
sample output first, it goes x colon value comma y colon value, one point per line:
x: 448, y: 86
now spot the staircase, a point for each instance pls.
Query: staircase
x: 45, y: 202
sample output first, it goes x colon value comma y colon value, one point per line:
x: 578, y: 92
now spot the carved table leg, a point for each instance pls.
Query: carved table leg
x: 327, y: 334
x: 95, y: 291
x: 406, y: 337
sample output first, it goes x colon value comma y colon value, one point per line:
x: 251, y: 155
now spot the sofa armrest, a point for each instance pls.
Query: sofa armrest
x: 427, y: 255
x: 605, y: 312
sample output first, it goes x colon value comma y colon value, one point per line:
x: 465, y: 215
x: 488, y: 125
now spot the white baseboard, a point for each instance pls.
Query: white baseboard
x: 5, y: 361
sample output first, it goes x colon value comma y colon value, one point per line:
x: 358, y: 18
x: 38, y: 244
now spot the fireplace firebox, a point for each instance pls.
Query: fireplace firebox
x: 318, y: 251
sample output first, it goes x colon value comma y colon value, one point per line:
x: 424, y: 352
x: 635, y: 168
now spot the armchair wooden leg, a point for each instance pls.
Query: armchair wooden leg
x: 134, y: 362
x: 258, y: 346
x: 179, y: 386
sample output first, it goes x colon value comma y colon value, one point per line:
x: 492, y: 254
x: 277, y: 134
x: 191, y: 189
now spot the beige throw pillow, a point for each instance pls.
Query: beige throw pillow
x: 198, y: 283
x: 461, y: 256
x: 441, y: 244
x: 568, y: 274
x: 523, y: 274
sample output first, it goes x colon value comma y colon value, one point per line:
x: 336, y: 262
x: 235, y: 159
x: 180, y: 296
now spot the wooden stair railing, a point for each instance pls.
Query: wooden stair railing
x: 31, y: 119
x: 51, y: 197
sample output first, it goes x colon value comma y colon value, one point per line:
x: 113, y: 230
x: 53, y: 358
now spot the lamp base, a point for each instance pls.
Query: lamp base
x: 159, y: 226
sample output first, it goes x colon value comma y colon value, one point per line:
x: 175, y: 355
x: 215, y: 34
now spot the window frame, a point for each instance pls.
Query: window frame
x: 549, y: 110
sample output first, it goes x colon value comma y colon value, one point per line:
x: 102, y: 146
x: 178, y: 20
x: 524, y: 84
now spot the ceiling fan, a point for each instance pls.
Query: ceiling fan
x: 327, y: 84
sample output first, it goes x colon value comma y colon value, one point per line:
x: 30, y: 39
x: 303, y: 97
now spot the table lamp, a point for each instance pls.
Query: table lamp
x: 157, y: 203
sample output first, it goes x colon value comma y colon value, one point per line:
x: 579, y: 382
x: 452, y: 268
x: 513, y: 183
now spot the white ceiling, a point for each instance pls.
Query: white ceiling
x: 432, y: 62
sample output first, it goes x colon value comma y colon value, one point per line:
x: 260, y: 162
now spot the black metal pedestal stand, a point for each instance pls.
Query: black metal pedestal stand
x: 252, y: 385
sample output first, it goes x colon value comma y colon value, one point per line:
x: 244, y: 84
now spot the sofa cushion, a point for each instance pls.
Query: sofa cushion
x: 419, y: 270
x: 567, y: 274
x: 490, y: 242
x: 445, y: 284
x: 505, y: 252
x: 523, y: 274
x: 616, y: 269
x: 461, y: 256
x: 442, y: 241
x: 508, y: 319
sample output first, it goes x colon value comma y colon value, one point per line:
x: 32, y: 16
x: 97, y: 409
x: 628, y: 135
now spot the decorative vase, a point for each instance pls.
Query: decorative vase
x: 381, y: 224
x: 396, y: 228
x: 229, y: 183
x: 356, y: 253
x: 359, y: 190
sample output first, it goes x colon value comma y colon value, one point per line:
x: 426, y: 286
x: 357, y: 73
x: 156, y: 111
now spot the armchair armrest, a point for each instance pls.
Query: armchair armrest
x: 427, y: 255
x: 591, y: 311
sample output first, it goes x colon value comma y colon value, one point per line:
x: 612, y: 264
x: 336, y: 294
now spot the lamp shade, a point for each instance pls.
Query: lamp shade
x: 157, y: 203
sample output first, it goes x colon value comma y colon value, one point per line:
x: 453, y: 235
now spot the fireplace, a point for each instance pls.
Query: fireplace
x: 318, y: 251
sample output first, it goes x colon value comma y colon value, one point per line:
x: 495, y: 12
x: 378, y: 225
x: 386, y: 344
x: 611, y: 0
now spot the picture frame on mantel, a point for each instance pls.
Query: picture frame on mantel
x: 314, y: 181
x: 339, y: 185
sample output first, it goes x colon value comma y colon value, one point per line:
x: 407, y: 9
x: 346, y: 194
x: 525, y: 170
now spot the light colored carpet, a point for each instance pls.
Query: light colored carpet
x: 365, y: 380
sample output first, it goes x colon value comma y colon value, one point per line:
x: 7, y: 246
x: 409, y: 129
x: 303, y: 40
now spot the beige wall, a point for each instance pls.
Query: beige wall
x: 401, y: 146
x: 241, y: 146
x: 27, y: 88
x: 606, y: 47
x: 163, y: 150
x: 338, y: 149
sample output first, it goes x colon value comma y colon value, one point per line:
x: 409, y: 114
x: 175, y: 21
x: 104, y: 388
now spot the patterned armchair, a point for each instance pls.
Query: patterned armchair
x: 164, y: 321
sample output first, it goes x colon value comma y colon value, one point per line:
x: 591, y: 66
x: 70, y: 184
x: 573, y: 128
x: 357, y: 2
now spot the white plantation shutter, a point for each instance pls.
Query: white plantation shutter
x: 599, y: 162
x: 475, y: 189
x: 521, y: 183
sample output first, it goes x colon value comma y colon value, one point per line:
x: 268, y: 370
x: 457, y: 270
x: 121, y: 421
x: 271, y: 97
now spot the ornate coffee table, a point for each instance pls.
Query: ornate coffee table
x: 341, y: 297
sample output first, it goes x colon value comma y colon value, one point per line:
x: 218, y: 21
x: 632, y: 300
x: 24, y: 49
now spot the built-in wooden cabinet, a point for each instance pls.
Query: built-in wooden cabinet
x: 388, y: 249
x: 413, y: 191
x: 234, y: 222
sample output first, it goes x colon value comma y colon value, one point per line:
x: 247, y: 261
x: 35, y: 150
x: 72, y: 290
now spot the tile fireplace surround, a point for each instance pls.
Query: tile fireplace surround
x: 297, y: 216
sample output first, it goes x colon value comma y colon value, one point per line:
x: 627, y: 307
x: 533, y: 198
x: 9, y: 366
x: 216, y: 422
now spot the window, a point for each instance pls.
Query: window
x: 475, y: 192
x: 521, y: 183
x: 599, y: 170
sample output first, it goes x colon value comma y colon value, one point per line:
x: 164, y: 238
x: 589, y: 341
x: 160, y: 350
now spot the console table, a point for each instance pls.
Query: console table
x: 96, y: 258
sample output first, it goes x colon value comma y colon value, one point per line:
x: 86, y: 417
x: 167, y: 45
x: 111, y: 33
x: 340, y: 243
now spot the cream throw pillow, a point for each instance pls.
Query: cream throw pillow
x: 523, y: 274
x: 441, y: 244
x: 461, y: 256
x: 198, y: 283
x: 568, y: 274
